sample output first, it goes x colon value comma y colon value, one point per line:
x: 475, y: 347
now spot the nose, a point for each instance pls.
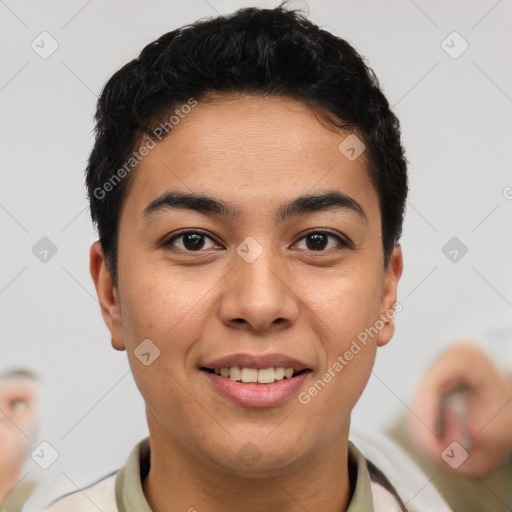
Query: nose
x: 258, y: 295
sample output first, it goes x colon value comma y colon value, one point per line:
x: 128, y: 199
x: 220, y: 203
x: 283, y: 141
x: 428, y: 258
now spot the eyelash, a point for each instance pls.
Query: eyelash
x: 168, y: 243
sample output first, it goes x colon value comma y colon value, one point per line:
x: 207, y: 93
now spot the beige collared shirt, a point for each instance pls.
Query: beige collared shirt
x: 122, y: 491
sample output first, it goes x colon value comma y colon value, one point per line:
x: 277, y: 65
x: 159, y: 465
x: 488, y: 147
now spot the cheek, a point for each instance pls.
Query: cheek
x: 346, y: 304
x: 12, y: 439
x: 168, y: 308
x: 345, y: 319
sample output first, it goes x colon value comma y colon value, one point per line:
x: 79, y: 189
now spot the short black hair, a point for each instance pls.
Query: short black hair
x: 275, y: 52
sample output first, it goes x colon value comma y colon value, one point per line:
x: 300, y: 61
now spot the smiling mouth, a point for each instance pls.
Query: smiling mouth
x: 256, y: 375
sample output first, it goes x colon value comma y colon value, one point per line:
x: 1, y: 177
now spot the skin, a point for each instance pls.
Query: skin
x: 18, y: 400
x: 489, y: 397
x: 256, y: 153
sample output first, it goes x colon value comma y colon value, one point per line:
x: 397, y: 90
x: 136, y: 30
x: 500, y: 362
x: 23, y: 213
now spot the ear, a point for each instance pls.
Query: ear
x: 387, y: 311
x: 107, y: 295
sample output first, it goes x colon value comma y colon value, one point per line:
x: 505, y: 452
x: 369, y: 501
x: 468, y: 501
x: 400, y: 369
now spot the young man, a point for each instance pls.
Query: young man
x: 248, y: 184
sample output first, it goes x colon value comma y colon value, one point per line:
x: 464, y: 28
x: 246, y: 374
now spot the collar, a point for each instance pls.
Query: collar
x: 130, y: 496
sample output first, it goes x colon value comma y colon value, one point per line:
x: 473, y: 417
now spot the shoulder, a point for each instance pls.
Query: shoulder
x: 414, y: 487
x: 383, y: 499
x: 99, y: 495
x: 103, y: 493
x: 18, y: 496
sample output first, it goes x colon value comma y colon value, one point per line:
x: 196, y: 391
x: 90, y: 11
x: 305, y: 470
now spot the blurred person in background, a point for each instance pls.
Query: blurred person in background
x: 459, y: 429
x: 18, y: 422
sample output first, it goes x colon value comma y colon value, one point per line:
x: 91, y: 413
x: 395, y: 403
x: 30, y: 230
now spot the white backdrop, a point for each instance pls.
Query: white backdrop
x: 455, y: 107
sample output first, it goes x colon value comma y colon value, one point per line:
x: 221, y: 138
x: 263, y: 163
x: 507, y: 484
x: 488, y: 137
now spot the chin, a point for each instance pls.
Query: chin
x: 252, y: 460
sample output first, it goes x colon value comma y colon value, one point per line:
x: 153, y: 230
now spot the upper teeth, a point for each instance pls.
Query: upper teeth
x: 262, y: 376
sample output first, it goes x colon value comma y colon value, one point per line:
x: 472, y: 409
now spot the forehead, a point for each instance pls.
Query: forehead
x: 17, y: 385
x: 249, y: 148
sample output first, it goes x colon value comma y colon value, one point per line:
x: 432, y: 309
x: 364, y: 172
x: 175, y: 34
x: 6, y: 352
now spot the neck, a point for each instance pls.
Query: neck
x: 8, y: 482
x: 179, y: 478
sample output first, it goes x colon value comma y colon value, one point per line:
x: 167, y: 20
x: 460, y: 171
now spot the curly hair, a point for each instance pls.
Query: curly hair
x: 256, y: 51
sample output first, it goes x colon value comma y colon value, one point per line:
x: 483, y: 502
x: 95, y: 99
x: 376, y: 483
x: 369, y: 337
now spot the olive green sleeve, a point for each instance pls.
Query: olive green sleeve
x: 492, y: 493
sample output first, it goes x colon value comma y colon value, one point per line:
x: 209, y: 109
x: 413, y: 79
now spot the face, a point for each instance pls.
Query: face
x: 252, y: 285
x: 17, y: 421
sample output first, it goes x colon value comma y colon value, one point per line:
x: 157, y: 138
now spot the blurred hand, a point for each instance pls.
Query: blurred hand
x: 486, y: 432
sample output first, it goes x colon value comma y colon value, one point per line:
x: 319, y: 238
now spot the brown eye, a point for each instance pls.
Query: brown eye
x: 189, y: 241
x: 319, y: 240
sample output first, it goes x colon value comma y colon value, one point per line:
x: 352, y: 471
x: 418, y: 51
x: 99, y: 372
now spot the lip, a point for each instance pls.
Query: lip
x: 256, y: 361
x: 256, y: 395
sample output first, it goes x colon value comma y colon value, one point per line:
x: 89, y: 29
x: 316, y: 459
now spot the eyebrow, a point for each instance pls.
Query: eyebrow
x: 330, y: 200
